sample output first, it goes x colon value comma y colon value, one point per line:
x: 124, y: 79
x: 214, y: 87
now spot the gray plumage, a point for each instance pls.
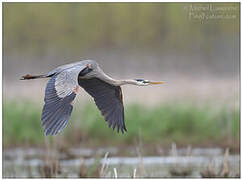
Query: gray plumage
x: 63, y: 85
x: 108, y: 99
x: 56, y: 111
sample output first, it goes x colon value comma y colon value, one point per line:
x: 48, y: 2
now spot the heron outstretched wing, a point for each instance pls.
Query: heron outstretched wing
x: 108, y: 99
x: 59, y: 94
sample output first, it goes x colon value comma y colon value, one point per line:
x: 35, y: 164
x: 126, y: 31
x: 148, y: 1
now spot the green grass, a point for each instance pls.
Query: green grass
x: 182, y: 123
x: 21, y: 122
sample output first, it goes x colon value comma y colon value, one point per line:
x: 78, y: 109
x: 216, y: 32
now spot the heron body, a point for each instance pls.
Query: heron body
x: 63, y: 86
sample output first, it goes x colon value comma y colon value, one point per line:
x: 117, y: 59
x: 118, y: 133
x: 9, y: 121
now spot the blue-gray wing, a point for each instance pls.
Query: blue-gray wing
x: 59, y: 95
x: 108, y: 99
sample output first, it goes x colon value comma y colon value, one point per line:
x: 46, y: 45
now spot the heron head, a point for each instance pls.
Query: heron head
x: 142, y: 82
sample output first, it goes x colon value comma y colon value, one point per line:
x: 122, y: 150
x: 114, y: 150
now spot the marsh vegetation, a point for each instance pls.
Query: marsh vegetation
x: 145, y: 151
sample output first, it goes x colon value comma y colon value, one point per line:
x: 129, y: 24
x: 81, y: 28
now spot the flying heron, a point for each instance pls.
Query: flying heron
x: 63, y: 86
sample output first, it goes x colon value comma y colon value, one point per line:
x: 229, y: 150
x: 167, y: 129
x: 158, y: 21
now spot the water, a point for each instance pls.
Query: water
x: 22, y: 162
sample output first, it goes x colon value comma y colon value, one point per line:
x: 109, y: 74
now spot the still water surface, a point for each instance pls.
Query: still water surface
x: 22, y: 162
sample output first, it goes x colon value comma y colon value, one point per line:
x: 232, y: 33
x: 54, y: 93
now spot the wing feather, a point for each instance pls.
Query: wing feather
x: 58, y: 98
x: 108, y: 99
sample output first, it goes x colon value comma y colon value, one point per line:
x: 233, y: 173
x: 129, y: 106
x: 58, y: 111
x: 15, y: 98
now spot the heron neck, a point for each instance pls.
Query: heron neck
x: 122, y: 82
x: 116, y: 82
x: 127, y: 81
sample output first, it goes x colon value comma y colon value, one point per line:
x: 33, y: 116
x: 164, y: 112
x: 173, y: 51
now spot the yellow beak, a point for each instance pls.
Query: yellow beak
x: 159, y: 82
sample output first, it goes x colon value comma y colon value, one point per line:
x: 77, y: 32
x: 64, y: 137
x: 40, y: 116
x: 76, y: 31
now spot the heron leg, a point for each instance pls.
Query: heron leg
x: 75, y: 90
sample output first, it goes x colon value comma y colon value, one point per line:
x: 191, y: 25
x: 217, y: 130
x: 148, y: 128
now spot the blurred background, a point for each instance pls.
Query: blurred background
x: 194, y: 47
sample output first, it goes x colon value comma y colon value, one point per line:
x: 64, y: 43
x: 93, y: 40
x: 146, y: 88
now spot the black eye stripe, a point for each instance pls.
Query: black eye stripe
x: 140, y: 80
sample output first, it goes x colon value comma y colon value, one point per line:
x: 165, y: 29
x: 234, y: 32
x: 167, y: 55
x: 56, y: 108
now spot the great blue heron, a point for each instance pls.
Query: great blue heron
x: 63, y: 86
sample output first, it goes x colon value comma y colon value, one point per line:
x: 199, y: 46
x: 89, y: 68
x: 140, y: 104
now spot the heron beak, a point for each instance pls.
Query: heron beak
x: 159, y: 82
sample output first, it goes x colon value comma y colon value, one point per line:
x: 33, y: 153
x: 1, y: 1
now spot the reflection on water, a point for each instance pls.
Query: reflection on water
x: 22, y: 162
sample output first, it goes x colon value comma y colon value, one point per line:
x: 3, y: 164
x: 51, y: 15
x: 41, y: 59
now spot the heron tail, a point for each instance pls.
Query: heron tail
x: 28, y: 76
